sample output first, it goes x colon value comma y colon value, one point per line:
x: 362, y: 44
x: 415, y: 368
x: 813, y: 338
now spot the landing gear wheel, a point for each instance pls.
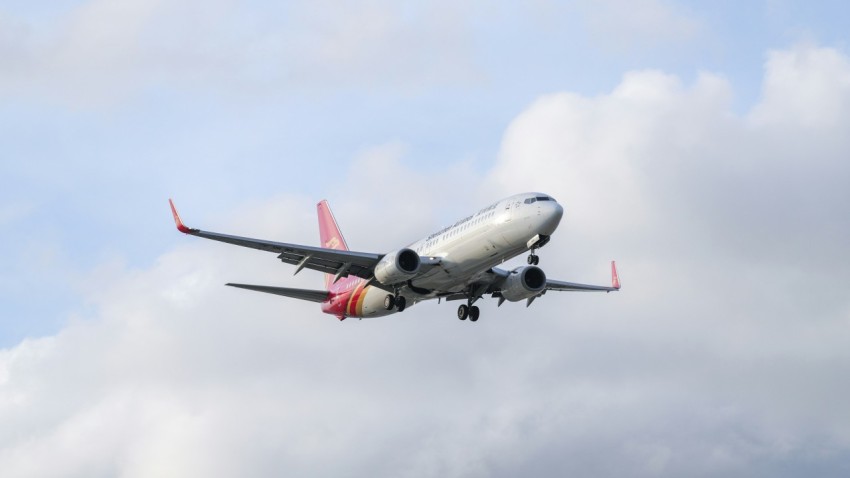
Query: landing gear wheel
x: 400, y: 303
x: 389, y: 302
x: 536, y: 260
x: 462, y: 311
x: 474, y: 313
x: 533, y: 259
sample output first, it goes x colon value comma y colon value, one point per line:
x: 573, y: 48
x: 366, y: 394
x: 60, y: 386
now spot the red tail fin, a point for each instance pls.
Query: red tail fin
x: 329, y: 234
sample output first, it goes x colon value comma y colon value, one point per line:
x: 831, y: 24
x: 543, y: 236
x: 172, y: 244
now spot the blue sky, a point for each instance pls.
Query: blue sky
x: 405, y: 118
x: 91, y: 171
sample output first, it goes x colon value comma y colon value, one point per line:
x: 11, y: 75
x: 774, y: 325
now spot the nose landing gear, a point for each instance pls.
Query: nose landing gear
x: 535, y: 243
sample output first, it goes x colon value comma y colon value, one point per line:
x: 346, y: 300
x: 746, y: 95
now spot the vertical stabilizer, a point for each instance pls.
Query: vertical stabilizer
x: 329, y: 234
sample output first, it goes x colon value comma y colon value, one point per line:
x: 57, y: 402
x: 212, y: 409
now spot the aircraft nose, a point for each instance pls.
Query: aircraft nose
x: 552, y: 217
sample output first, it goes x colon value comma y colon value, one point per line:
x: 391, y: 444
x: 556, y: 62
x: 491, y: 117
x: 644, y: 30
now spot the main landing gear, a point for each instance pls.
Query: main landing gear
x: 471, y: 311
x: 533, y: 259
x: 397, y: 302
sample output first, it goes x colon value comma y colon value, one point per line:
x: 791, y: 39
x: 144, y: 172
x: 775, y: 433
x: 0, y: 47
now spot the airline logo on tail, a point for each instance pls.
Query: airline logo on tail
x: 333, y: 243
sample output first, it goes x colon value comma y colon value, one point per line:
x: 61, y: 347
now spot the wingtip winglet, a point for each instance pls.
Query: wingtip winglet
x: 179, y: 222
x: 615, y: 279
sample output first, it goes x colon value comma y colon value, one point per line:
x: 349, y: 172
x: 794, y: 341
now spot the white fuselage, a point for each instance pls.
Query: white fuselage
x: 470, y: 247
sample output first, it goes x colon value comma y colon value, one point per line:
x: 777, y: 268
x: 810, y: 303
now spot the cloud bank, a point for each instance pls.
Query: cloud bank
x: 725, y: 353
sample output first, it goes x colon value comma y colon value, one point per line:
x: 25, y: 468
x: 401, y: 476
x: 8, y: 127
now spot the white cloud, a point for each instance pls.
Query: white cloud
x: 725, y: 353
x: 807, y: 87
x: 103, y: 51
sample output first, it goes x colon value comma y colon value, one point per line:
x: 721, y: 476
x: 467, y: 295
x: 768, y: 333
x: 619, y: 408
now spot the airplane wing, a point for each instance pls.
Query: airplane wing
x: 492, y: 281
x: 332, y: 261
x: 496, y: 277
x: 571, y: 286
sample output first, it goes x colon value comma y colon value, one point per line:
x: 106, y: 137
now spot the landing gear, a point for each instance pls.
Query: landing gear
x: 397, y: 302
x: 462, y: 311
x: 535, y: 243
x: 471, y: 311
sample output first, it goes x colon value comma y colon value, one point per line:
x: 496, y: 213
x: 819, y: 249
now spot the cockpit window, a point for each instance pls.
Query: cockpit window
x: 542, y: 198
x: 530, y: 200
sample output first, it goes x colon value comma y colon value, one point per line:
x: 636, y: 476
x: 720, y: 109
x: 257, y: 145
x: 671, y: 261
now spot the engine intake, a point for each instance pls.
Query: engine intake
x: 397, y: 266
x: 523, y: 283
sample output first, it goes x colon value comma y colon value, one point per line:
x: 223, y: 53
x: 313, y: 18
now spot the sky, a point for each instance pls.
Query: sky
x: 704, y: 147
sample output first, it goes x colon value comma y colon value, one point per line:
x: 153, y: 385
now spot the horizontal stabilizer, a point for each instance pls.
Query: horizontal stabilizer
x: 303, y: 294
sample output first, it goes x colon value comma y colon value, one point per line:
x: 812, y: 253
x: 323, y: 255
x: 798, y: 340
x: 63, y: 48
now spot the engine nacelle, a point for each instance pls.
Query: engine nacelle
x: 397, y: 266
x: 523, y: 283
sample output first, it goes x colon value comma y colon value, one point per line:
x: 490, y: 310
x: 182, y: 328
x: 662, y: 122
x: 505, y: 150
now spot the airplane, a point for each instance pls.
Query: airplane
x: 457, y: 262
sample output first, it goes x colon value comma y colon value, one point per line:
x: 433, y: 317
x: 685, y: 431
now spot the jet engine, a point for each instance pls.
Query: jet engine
x: 523, y: 283
x: 397, y: 266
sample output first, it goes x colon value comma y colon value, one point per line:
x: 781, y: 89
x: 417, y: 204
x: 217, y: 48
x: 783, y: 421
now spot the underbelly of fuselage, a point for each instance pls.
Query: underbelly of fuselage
x: 454, y: 275
x: 461, y: 265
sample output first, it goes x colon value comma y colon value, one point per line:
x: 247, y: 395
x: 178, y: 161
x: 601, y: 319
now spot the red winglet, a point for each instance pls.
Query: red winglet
x: 180, y: 226
x: 615, y: 279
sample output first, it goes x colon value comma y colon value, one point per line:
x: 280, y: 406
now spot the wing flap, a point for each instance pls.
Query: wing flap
x: 329, y: 263
x: 303, y: 294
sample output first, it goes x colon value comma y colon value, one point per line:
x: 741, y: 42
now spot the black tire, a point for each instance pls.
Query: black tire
x: 462, y: 311
x: 389, y: 302
x: 536, y: 260
x: 531, y: 259
x: 474, y: 313
x: 400, y: 303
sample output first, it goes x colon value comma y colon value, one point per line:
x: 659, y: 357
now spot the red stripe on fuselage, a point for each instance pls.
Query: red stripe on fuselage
x: 356, y: 295
x: 343, y: 296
